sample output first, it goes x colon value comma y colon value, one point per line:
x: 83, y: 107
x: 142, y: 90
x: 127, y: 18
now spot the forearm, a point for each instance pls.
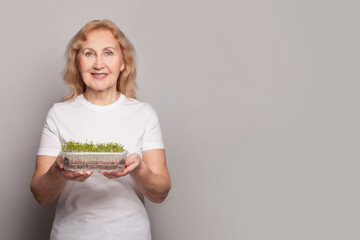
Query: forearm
x: 153, y: 186
x: 47, y: 187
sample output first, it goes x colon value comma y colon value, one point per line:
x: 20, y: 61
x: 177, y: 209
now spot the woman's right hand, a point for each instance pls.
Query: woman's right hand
x: 79, y: 176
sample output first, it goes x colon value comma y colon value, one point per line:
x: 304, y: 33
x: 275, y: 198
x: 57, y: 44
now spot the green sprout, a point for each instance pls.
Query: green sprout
x: 72, y: 146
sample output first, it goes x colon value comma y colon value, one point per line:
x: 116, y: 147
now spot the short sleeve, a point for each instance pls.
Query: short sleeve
x: 50, y: 144
x: 152, y: 137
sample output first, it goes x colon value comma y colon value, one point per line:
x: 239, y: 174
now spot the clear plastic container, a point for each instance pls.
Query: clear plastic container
x: 91, y: 161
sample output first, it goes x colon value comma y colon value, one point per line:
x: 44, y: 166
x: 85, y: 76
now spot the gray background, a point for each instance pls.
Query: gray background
x: 258, y: 102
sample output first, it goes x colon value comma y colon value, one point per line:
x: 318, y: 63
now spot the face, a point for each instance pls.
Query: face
x: 100, y: 61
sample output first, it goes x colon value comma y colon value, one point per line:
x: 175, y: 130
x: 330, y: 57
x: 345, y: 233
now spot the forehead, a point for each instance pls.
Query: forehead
x: 100, y: 38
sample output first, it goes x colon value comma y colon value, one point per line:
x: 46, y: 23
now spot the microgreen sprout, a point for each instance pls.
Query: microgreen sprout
x: 73, y: 146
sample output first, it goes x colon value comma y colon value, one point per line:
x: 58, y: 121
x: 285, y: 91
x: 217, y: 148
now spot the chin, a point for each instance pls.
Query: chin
x: 100, y: 87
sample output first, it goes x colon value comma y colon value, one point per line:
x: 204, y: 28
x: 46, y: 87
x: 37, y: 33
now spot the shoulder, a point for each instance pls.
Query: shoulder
x: 61, y: 108
x: 67, y: 105
x: 145, y: 107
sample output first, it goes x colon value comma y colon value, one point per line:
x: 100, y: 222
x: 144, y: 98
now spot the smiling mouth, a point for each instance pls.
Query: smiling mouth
x: 99, y: 75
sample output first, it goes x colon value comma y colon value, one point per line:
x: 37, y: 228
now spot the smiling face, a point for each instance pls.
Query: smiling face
x: 100, y: 61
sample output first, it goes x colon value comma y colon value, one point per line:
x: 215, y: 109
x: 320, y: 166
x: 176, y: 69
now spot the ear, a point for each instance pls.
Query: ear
x: 122, y: 68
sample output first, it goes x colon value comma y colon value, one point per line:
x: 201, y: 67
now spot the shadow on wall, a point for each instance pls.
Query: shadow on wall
x: 38, y: 221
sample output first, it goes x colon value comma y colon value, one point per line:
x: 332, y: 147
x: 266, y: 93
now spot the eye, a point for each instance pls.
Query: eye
x: 108, y: 53
x: 89, y: 54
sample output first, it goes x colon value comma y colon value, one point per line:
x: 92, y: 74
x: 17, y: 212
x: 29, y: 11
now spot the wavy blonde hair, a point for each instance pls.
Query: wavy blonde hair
x: 126, y: 82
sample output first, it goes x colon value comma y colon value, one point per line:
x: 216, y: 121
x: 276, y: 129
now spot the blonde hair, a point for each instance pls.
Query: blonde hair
x: 126, y: 83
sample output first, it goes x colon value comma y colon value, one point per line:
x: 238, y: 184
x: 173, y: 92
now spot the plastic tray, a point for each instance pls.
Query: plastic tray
x: 90, y: 161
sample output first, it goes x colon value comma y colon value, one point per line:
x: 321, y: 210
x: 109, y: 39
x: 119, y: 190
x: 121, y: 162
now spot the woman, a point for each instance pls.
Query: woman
x: 101, y: 108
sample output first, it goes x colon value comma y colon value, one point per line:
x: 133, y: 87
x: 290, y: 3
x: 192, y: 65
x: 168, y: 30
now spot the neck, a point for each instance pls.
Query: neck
x: 101, y: 98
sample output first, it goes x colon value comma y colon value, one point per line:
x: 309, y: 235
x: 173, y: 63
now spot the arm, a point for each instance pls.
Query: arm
x: 50, y: 178
x: 150, y: 174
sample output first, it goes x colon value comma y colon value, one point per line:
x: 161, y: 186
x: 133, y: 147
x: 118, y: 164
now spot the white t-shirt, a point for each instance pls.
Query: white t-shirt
x: 100, y: 208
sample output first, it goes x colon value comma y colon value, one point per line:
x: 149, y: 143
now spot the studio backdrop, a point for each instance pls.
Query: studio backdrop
x: 258, y: 103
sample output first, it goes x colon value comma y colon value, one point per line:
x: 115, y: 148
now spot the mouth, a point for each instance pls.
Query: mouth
x: 99, y: 75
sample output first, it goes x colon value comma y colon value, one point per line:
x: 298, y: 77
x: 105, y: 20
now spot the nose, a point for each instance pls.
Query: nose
x: 98, y: 64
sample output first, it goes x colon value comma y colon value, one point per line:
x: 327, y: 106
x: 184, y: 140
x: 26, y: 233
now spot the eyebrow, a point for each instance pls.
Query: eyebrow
x: 103, y: 49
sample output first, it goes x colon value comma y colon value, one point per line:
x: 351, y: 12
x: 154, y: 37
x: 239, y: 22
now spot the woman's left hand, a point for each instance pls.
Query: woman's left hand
x: 132, y: 163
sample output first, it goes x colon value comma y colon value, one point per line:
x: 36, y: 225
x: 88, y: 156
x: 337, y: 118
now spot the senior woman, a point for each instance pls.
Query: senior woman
x: 101, y: 107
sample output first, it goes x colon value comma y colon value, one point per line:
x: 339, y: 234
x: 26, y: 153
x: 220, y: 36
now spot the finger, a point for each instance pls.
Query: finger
x: 79, y: 179
x: 130, y: 168
x: 112, y: 174
x: 59, y: 162
x: 72, y: 174
x: 76, y: 174
x: 130, y: 160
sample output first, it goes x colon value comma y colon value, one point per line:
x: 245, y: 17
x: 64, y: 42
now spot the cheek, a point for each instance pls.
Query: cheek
x: 114, y: 64
x: 83, y: 65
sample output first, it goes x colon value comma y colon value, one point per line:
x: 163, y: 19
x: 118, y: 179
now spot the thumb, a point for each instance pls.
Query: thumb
x: 59, y: 161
